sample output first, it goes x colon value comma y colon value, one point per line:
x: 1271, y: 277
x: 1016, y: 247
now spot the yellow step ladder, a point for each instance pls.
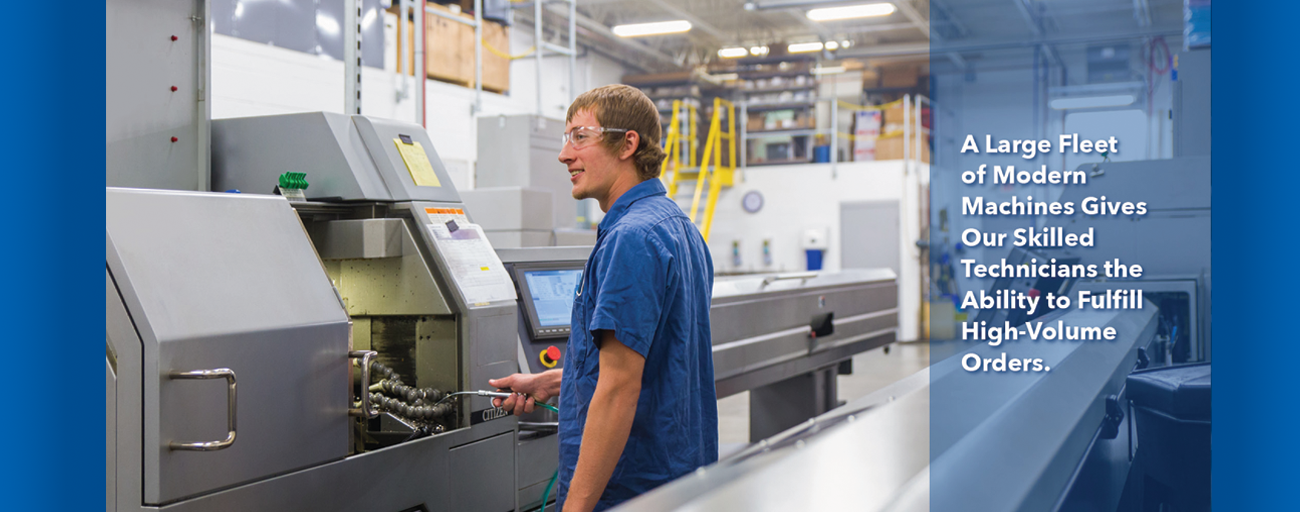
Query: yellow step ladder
x: 719, y: 175
x: 680, y: 147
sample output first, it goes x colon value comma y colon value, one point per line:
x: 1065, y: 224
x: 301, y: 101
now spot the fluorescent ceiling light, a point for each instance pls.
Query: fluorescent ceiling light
x: 758, y: 51
x: 832, y: 45
x: 1119, y: 100
x: 846, y: 43
x: 652, y: 29
x: 804, y: 47
x: 731, y: 53
x: 851, y: 11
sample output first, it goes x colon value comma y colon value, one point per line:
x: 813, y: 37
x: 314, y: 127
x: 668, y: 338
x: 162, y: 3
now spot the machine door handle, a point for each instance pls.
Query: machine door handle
x: 219, y: 373
x: 365, y: 411
x: 783, y: 277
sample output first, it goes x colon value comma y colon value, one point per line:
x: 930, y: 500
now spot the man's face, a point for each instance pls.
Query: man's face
x: 593, y: 167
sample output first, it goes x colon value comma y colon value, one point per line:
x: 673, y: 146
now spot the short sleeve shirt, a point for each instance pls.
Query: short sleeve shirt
x: 649, y: 280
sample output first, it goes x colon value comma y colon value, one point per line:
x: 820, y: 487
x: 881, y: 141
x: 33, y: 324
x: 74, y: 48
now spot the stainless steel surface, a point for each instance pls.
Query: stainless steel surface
x: 1011, y: 446
x: 379, y: 136
x: 575, y: 254
x: 365, y: 411
x: 760, y: 327
x: 345, y: 157
x: 858, y: 457
x: 1172, y: 241
x: 110, y: 438
x: 1048, y: 420
x: 262, y: 307
x: 143, y: 114
x: 801, y: 276
x: 414, y: 473
x: 126, y: 422
x: 231, y: 412
x: 378, y: 267
x: 360, y: 239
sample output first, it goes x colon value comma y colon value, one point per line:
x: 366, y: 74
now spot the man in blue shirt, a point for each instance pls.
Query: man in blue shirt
x: 638, y: 407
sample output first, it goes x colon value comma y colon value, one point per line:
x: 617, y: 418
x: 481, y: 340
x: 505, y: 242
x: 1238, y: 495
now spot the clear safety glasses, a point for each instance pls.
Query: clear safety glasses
x: 582, y: 136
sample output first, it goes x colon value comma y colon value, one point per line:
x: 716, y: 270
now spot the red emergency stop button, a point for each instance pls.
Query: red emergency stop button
x: 550, y: 356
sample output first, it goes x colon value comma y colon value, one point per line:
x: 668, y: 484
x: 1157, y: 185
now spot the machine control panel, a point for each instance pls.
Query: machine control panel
x: 546, y: 290
x: 546, y: 280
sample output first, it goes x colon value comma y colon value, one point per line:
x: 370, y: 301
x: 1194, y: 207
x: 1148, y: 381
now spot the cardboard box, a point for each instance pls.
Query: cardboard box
x: 890, y: 147
x: 900, y: 76
x: 496, y: 69
x: 450, y: 55
x: 893, y: 116
x: 866, y: 128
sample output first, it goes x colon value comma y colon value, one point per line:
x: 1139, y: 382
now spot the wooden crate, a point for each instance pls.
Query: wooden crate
x: 496, y: 69
x: 450, y: 51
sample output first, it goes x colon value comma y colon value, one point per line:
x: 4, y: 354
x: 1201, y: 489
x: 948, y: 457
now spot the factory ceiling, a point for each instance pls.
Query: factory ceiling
x: 971, y: 28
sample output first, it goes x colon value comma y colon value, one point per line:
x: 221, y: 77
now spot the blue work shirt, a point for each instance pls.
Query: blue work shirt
x: 649, y: 280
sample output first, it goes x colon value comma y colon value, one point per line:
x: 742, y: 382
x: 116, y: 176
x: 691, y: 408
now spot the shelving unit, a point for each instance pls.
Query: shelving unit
x: 687, y: 87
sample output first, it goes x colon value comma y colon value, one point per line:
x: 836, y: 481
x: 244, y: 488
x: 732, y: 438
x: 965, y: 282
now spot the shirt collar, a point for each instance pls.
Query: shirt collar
x: 647, y: 188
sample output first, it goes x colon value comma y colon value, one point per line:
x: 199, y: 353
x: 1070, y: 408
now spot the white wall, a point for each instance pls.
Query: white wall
x: 250, y: 78
x: 797, y: 197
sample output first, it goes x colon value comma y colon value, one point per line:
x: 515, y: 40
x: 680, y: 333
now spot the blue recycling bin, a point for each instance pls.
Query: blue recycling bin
x: 822, y: 154
x: 814, y: 259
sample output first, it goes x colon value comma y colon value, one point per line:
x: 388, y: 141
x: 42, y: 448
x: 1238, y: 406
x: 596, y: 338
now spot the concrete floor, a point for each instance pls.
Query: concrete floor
x: 871, y: 371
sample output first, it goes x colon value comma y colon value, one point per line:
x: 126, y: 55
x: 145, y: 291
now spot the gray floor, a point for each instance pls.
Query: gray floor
x: 871, y: 371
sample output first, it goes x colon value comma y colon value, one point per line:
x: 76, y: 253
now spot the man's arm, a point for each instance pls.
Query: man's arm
x: 609, y: 422
x: 539, y: 386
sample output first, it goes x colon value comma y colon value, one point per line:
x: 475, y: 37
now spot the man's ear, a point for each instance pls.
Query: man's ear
x: 631, y: 141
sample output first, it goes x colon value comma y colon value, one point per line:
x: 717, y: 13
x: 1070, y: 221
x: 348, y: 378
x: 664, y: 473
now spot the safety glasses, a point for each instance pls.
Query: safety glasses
x: 582, y: 136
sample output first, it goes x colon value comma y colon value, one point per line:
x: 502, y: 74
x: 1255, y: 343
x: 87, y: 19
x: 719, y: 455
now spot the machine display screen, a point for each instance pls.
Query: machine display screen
x: 552, y: 293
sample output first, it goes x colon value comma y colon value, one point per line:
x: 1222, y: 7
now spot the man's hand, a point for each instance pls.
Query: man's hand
x: 609, y: 422
x: 538, y: 386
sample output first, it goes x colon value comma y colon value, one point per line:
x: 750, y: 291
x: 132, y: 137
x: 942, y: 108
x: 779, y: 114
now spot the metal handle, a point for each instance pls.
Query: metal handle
x: 219, y: 373
x: 785, y: 277
x: 364, y: 411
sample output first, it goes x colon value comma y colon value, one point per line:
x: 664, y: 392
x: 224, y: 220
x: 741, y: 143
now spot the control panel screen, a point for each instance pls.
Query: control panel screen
x: 552, y: 293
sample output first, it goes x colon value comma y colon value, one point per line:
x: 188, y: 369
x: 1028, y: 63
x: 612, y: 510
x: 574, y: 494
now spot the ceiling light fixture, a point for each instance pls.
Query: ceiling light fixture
x: 652, y: 29
x: 851, y: 11
x: 758, y: 51
x: 832, y: 45
x: 814, y: 46
x: 731, y: 53
x: 1093, y: 102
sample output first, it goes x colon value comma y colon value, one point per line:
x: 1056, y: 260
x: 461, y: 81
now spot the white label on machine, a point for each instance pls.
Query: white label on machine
x: 474, y: 266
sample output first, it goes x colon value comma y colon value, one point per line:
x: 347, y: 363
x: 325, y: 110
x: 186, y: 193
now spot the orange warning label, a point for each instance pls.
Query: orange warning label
x: 444, y: 211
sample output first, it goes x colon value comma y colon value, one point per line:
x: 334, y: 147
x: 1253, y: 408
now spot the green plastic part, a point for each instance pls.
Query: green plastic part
x: 293, y: 180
